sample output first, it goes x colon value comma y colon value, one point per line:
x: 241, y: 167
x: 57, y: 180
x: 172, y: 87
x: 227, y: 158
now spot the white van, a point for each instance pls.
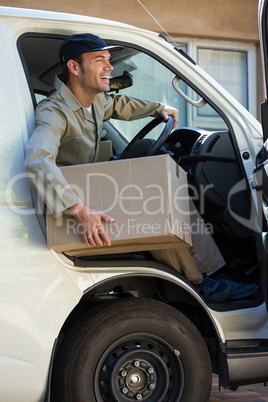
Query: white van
x: 123, y: 327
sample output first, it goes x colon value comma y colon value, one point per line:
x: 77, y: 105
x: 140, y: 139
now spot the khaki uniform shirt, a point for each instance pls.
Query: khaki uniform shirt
x: 67, y: 134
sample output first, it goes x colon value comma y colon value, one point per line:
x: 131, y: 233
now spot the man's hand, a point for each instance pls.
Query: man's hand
x: 170, y: 111
x: 90, y: 225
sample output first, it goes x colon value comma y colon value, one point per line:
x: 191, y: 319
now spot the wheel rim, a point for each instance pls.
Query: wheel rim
x: 139, y: 366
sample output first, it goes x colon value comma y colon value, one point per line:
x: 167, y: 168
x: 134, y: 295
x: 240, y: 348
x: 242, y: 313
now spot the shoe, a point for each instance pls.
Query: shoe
x: 212, y: 290
x: 239, y: 290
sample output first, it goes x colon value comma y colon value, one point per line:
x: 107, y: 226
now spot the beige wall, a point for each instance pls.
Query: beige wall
x: 228, y: 19
x: 235, y: 20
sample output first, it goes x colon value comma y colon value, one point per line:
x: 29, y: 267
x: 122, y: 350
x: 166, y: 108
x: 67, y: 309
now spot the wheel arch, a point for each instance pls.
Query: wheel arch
x: 174, y: 291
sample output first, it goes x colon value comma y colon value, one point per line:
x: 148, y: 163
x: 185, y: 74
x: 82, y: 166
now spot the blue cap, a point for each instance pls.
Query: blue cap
x: 77, y: 44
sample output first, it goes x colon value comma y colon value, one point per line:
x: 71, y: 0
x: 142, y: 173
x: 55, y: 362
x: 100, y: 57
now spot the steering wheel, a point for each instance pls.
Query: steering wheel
x: 144, y: 131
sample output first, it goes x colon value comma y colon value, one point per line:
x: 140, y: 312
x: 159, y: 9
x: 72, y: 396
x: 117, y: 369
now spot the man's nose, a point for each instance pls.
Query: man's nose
x: 109, y: 66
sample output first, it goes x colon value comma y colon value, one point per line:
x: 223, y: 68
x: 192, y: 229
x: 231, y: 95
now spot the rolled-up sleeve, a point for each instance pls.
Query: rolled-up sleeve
x: 41, y: 154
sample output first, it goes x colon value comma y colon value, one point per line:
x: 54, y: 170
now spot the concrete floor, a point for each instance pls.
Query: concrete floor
x: 248, y: 394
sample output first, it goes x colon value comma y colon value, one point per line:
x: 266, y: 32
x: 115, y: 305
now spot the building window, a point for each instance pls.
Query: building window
x: 231, y: 64
x: 229, y: 68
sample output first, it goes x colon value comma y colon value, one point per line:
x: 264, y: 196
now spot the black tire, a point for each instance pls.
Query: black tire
x: 133, y: 349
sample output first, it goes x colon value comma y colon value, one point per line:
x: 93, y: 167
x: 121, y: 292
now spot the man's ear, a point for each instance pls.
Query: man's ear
x: 73, y: 67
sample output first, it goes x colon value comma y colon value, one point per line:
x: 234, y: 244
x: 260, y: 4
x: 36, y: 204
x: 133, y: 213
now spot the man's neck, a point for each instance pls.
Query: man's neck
x: 84, y: 98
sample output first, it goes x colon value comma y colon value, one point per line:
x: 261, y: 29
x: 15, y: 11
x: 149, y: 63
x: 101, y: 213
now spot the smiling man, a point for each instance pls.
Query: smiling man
x: 69, y: 124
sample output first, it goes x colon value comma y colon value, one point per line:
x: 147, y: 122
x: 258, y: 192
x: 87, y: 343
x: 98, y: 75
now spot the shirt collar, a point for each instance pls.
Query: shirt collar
x: 67, y: 94
x: 71, y: 100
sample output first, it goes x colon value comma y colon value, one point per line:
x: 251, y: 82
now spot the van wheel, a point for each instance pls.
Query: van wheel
x: 131, y: 350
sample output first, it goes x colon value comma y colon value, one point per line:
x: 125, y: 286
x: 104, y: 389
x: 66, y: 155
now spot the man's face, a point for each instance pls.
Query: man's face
x: 95, y: 71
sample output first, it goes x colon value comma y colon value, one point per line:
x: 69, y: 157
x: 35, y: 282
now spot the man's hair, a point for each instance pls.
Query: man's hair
x: 65, y: 72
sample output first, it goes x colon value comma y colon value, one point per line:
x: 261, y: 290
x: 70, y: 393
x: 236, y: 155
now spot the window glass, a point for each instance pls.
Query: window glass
x: 153, y: 81
x: 229, y: 68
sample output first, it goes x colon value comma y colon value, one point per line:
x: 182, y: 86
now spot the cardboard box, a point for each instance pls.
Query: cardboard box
x: 147, y: 197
